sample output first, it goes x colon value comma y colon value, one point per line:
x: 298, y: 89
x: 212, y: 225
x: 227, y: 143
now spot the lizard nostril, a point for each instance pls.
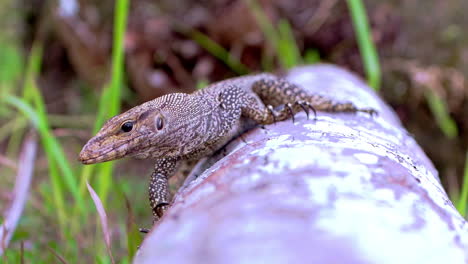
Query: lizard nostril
x: 83, y: 155
x: 86, y: 154
x: 81, y: 158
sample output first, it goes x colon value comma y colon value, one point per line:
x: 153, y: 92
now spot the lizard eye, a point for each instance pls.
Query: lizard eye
x: 159, y: 123
x: 127, y: 126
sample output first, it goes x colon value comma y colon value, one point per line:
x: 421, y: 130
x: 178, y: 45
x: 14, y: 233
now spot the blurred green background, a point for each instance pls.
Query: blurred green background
x: 67, y: 66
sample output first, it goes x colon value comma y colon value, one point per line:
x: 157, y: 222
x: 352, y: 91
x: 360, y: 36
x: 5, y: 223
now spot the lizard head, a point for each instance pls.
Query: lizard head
x: 143, y: 131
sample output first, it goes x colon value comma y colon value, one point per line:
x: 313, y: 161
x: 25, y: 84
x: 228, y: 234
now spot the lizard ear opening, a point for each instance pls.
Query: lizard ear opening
x: 159, y: 123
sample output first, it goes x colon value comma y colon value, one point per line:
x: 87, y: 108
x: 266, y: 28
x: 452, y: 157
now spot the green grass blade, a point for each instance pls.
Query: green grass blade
x: 288, y: 52
x: 366, y: 45
x: 109, y: 102
x: 264, y: 23
x: 33, y: 68
x: 112, y: 104
x: 133, y: 235
x: 439, y: 110
x: 10, y: 127
x: 200, y: 84
x: 281, y: 39
x: 14, y: 143
x: 12, y: 65
x: 32, y: 93
x: 463, y: 200
x: 58, y: 196
x: 103, y: 110
x: 311, y: 56
x: 267, y: 61
x: 50, y: 142
x: 120, y: 22
x: 104, y: 173
x: 219, y: 52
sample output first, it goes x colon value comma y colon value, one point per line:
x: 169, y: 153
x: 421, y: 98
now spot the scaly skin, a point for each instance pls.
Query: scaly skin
x: 178, y: 126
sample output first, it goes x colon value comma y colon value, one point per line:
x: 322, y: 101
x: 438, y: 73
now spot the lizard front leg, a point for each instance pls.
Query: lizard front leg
x: 159, y: 195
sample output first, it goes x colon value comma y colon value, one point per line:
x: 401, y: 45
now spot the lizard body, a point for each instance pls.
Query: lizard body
x: 178, y: 126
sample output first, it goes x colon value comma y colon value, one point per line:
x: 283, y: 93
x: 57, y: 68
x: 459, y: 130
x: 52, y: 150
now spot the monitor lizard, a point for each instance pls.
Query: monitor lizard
x: 179, y: 126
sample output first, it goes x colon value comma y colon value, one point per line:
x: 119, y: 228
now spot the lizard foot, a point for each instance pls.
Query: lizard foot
x: 288, y: 110
x: 292, y: 109
x: 159, y: 211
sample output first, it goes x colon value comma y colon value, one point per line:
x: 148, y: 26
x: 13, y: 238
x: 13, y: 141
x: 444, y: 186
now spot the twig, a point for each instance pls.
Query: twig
x: 20, y: 192
x: 57, y: 255
x: 5, y: 161
x: 320, y: 16
x: 103, y: 217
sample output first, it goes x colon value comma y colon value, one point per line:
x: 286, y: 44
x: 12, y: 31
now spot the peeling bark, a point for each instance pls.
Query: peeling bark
x: 340, y: 189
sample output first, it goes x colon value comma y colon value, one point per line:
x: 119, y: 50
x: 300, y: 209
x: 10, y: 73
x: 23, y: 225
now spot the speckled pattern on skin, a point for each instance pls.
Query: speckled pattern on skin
x: 178, y: 126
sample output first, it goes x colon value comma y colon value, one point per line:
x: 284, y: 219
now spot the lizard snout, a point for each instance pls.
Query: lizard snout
x: 85, y: 156
x: 90, y: 154
x: 96, y: 151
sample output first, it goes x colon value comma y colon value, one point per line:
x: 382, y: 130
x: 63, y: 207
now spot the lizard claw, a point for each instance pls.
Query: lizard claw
x: 303, y: 105
x: 161, y: 208
x: 306, y: 106
x: 143, y: 230
x: 272, y: 112
x: 372, y: 112
x: 158, y: 212
x: 291, y: 112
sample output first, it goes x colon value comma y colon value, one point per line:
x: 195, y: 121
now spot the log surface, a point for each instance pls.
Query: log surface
x: 340, y: 189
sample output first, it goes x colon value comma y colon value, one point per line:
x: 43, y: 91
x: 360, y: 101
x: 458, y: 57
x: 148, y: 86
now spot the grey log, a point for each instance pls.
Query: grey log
x: 341, y: 189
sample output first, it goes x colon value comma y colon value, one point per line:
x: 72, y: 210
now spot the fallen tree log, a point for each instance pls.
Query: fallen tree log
x: 340, y: 189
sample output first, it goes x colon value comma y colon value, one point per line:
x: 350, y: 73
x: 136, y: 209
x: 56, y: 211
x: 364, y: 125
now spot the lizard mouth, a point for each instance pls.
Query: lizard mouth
x: 86, y: 161
x: 93, y: 151
x: 88, y: 156
x: 91, y: 160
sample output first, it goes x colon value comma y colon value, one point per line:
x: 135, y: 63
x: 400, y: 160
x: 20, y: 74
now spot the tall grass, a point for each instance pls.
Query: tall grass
x: 463, y: 199
x: 369, y: 55
x: 109, y: 103
x: 281, y: 39
x: 440, y: 112
x: 219, y: 52
x: 32, y: 106
x: 64, y: 188
x: 12, y: 66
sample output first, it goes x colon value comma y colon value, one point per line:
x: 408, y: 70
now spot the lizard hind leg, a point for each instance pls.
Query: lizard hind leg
x: 274, y: 92
x: 277, y: 91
